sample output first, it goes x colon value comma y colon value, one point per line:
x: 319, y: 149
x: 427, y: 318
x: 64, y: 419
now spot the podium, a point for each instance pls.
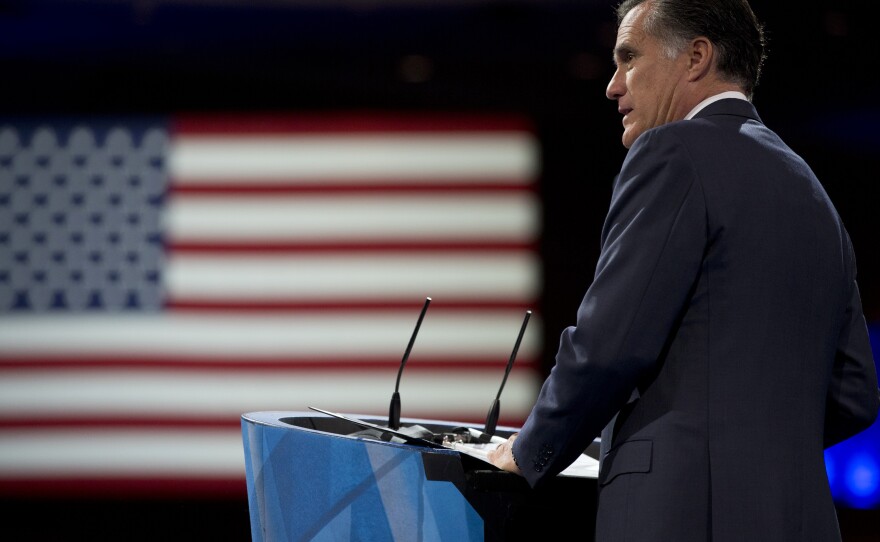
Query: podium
x: 316, y: 477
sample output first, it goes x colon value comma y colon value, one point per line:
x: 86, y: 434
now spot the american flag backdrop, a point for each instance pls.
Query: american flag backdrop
x: 161, y: 276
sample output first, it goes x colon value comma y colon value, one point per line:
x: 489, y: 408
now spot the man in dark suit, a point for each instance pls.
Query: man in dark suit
x: 722, y: 344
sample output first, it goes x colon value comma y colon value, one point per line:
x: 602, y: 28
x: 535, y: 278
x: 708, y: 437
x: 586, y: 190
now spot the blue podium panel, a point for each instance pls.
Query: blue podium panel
x: 310, y: 484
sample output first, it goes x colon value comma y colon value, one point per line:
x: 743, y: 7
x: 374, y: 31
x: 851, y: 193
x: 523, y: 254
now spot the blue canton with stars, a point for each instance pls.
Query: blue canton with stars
x: 80, y: 212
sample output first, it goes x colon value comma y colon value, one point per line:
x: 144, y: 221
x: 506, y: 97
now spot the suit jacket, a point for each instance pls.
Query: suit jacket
x: 722, y: 342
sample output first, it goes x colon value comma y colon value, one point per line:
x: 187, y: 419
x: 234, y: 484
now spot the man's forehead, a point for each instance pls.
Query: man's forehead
x: 632, y: 25
x: 631, y: 31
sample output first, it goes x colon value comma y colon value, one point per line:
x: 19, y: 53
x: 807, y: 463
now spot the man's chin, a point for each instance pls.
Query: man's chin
x: 629, y: 136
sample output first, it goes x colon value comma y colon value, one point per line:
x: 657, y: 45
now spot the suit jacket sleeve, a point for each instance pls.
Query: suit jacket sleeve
x: 652, y: 246
x: 853, y: 398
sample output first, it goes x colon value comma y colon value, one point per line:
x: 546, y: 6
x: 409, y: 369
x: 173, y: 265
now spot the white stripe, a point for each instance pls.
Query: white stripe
x: 259, y: 336
x: 464, y: 394
x: 456, y: 157
x: 49, y: 453
x: 504, y: 277
x: 462, y: 216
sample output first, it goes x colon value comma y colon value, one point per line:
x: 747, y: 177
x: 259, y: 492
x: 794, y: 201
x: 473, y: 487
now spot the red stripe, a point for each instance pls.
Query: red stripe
x: 343, y: 122
x: 324, y: 306
x: 100, y: 362
x: 325, y: 247
x: 245, y: 187
x: 125, y: 487
x: 114, y: 423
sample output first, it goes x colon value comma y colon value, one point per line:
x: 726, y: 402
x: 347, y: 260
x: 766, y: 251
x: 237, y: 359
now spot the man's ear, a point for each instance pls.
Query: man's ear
x: 701, y: 56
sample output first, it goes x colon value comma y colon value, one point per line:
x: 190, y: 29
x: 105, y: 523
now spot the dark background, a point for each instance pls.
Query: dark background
x: 549, y: 60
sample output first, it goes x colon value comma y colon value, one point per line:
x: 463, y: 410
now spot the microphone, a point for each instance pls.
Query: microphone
x: 394, y: 409
x: 492, y: 417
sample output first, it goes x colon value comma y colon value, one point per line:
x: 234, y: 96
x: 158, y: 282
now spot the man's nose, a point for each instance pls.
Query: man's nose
x: 616, y: 86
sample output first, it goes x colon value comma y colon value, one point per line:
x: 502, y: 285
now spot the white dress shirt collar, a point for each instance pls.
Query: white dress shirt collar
x: 712, y: 99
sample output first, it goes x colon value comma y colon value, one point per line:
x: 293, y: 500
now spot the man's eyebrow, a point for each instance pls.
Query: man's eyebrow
x: 621, y: 51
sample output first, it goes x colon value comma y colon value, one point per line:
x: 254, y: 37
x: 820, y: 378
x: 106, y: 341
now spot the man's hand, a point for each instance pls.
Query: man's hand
x: 502, y: 456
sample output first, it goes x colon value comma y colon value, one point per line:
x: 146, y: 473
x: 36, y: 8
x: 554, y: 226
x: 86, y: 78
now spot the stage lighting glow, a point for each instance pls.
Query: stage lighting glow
x: 863, y: 476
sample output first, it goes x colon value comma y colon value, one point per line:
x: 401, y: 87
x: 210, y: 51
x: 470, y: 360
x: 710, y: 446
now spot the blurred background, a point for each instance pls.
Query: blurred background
x: 212, y: 207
